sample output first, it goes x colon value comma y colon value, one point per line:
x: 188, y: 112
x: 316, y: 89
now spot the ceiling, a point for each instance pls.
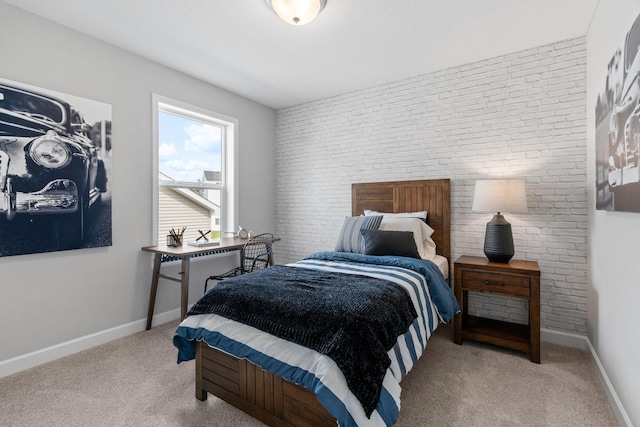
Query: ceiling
x: 244, y: 47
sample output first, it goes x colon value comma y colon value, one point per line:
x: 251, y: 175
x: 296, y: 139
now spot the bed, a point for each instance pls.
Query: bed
x: 271, y: 378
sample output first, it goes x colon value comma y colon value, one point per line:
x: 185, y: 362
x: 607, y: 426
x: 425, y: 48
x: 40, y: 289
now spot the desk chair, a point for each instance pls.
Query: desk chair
x: 257, y: 253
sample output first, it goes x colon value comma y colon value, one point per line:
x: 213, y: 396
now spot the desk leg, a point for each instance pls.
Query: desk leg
x: 184, y: 282
x: 154, y: 288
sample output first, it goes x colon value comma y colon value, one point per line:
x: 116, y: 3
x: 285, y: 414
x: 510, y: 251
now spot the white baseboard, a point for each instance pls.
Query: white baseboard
x: 616, y: 405
x: 582, y: 342
x: 30, y: 360
x: 563, y: 338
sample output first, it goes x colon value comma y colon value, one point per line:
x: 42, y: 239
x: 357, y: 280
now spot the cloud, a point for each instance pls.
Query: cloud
x: 202, y: 138
x: 167, y: 150
x: 184, y: 170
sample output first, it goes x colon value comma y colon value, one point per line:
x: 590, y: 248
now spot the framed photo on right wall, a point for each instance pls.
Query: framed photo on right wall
x: 617, y: 128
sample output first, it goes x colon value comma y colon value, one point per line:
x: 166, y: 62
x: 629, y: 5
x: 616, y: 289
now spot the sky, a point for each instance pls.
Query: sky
x: 187, y: 147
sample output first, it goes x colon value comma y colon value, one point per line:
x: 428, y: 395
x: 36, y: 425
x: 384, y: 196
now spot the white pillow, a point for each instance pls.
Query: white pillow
x: 420, y: 214
x: 421, y: 233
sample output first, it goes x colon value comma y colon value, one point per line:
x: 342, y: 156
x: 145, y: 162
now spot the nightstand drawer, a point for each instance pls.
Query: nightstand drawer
x: 495, y: 282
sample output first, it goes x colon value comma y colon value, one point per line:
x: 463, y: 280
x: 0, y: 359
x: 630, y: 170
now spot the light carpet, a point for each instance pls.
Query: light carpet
x: 135, y: 381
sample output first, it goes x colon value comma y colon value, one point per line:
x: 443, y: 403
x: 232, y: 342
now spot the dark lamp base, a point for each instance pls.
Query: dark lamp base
x: 498, y: 240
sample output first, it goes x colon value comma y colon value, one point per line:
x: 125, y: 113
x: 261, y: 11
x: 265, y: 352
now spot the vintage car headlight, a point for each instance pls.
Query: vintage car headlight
x: 632, y: 133
x: 50, y: 153
x: 614, y: 129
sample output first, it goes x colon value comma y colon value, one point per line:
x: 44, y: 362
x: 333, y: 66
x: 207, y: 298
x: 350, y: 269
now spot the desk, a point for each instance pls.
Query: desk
x: 164, y: 253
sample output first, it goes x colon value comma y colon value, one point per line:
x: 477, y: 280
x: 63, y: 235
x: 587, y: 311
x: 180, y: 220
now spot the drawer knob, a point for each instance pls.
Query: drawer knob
x: 489, y: 282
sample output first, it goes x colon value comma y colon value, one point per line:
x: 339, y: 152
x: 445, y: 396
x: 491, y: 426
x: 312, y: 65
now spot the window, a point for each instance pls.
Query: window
x: 194, y: 170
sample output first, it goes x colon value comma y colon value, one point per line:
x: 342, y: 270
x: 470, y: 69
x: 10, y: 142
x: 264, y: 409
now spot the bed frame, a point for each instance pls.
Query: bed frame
x: 274, y: 400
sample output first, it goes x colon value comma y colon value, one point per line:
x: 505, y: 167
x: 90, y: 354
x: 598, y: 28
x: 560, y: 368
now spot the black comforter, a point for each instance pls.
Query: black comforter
x: 353, y: 319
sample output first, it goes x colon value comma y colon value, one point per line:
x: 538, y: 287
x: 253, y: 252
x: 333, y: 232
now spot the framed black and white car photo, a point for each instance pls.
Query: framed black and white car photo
x: 55, y: 165
x: 618, y: 128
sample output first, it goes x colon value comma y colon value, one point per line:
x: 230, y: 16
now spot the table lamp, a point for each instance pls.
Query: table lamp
x: 499, y: 195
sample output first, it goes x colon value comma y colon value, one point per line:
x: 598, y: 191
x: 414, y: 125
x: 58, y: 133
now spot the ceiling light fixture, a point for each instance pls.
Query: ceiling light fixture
x: 297, y: 12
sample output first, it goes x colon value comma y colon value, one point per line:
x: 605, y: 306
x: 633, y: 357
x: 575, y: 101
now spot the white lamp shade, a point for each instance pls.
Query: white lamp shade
x: 500, y: 195
x: 297, y: 12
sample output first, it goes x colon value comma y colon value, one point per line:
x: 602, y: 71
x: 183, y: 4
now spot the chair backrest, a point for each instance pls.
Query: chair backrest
x: 256, y: 253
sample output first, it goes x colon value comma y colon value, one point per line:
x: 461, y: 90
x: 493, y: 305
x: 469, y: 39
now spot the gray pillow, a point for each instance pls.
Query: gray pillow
x: 350, y: 239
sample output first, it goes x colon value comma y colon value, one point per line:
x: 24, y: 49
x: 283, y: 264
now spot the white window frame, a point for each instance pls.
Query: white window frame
x: 229, y: 173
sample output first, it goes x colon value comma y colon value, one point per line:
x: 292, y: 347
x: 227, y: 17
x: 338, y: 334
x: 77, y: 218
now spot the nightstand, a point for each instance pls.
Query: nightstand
x: 517, y: 279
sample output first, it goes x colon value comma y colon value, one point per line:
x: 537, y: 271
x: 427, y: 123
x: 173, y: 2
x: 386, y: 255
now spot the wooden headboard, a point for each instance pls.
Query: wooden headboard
x: 431, y: 195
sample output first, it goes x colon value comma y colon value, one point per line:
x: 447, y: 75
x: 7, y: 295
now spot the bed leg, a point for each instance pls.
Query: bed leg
x: 201, y: 394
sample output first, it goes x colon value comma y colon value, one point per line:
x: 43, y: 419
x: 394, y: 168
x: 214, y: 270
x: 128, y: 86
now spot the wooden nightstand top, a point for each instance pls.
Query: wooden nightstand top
x: 515, y: 265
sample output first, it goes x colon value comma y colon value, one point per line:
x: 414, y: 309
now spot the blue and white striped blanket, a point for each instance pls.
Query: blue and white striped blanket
x: 318, y: 372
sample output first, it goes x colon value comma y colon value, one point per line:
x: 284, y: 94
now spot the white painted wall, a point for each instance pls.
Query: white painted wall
x: 614, y: 237
x: 50, y: 299
x: 518, y: 115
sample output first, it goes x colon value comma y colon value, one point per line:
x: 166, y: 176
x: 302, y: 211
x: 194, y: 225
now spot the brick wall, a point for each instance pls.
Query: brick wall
x: 519, y: 115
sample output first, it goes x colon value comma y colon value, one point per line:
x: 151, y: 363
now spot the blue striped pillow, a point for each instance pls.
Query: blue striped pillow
x: 350, y: 239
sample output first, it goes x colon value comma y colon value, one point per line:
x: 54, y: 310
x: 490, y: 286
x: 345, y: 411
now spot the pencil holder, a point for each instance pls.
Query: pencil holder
x: 172, y: 242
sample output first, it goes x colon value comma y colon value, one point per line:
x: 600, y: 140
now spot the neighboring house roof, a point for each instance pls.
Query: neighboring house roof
x: 212, y: 176
x: 191, y: 195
